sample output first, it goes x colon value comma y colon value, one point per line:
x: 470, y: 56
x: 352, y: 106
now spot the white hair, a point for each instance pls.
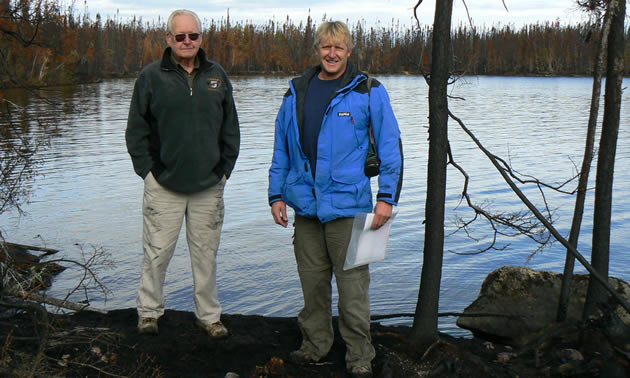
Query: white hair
x: 179, y: 12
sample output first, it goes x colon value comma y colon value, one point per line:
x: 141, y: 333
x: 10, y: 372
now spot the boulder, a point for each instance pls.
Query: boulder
x: 525, y: 303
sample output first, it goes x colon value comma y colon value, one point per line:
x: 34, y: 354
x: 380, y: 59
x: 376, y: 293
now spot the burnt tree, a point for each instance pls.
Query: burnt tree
x: 424, y: 331
x: 600, y: 254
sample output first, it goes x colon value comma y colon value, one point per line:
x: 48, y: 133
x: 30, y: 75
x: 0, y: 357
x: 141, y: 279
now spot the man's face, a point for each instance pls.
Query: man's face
x: 184, y: 24
x: 333, y: 58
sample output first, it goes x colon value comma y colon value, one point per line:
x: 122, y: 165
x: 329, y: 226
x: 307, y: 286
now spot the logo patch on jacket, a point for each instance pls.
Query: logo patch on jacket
x: 344, y: 114
x: 214, y: 83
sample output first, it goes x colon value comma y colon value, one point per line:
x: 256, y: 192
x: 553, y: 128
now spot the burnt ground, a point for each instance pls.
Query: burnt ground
x: 94, y: 344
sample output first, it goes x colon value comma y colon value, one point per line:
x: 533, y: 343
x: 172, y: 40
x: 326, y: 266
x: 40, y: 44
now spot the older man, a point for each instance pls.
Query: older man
x: 183, y: 137
x: 320, y: 149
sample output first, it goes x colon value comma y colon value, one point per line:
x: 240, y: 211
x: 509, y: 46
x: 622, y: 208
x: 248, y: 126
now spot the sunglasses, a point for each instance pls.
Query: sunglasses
x: 182, y: 37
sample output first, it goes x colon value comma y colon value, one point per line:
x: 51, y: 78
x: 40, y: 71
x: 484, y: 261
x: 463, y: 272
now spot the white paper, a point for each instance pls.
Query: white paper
x: 367, y: 245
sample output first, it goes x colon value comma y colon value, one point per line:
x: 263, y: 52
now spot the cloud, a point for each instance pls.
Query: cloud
x: 373, y: 12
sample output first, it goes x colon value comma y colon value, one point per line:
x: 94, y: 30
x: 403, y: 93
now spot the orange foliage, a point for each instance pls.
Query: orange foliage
x: 78, y: 48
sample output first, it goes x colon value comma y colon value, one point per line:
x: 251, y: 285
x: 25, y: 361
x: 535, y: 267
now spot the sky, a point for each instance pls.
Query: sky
x: 373, y: 12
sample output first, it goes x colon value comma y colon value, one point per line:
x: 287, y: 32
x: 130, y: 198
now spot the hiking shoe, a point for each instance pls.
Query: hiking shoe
x: 301, y: 358
x: 216, y: 330
x: 148, y: 326
x: 361, y: 371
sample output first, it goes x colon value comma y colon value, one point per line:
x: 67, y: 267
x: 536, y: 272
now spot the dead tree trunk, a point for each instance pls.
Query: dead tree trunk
x: 578, y: 210
x: 424, y: 330
x: 600, y: 254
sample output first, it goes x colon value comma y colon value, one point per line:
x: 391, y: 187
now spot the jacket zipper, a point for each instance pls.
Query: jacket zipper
x: 192, y: 84
x: 191, y: 87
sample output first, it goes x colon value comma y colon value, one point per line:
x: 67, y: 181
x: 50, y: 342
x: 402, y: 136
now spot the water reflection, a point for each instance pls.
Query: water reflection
x: 88, y: 194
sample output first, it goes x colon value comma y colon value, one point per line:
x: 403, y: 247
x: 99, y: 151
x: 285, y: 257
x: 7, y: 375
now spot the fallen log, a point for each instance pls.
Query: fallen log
x: 55, y: 301
x: 47, y: 251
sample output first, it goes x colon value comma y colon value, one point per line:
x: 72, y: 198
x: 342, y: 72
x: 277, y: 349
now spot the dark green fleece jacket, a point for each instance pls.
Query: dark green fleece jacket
x: 188, y: 137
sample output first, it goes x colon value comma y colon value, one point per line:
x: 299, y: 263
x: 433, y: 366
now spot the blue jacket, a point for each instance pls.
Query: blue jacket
x: 340, y: 188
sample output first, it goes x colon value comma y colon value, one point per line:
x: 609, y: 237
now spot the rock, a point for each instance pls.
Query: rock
x: 504, y: 357
x: 527, y: 301
x: 570, y: 354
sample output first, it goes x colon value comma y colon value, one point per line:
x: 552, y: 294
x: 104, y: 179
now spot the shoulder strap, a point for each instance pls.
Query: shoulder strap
x: 369, y: 89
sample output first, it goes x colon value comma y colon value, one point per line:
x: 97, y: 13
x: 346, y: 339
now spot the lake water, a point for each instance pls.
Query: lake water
x: 88, y: 196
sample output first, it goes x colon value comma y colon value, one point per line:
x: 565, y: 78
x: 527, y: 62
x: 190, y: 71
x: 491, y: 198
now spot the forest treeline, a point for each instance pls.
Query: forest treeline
x: 59, y: 47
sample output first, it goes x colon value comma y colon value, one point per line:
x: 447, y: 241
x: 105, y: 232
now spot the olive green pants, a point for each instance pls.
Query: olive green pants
x: 320, y: 251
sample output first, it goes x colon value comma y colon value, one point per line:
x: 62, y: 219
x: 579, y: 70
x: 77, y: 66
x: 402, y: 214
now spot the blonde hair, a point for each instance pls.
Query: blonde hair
x: 333, y: 30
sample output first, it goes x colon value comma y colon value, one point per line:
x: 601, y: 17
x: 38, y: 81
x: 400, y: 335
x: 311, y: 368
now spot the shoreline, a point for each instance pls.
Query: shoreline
x: 3, y: 86
x: 257, y: 346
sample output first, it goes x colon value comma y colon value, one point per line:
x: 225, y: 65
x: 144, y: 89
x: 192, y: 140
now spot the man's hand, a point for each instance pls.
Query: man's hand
x: 382, y: 213
x: 279, y: 213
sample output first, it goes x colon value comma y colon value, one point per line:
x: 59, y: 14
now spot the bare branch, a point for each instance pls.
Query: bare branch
x: 90, y: 366
x: 57, y: 302
x: 97, y: 259
x: 543, y: 219
x: 522, y: 223
x: 470, y: 21
x: 468, y: 13
x: 415, y: 14
x: 532, y: 180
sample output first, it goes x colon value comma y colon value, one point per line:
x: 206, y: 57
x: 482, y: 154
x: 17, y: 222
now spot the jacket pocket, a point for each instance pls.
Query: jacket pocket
x: 297, y: 193
x: 350, y: 189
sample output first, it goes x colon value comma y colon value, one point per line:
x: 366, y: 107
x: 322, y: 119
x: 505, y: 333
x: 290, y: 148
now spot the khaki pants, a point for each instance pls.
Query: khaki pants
x: 320, y: 251
x: 164, y: 211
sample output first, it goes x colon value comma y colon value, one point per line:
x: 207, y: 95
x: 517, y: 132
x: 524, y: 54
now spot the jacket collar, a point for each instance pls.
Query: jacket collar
x: 350, y: 79
x: 350, y: 75
x: 167, y: 62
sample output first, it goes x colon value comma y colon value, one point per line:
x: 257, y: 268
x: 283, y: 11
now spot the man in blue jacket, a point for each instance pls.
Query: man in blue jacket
x: 320, y: 148
x: 183, y: 137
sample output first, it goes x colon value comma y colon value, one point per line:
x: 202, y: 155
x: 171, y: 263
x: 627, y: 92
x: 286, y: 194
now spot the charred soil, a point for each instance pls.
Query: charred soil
x: 95, y: 344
